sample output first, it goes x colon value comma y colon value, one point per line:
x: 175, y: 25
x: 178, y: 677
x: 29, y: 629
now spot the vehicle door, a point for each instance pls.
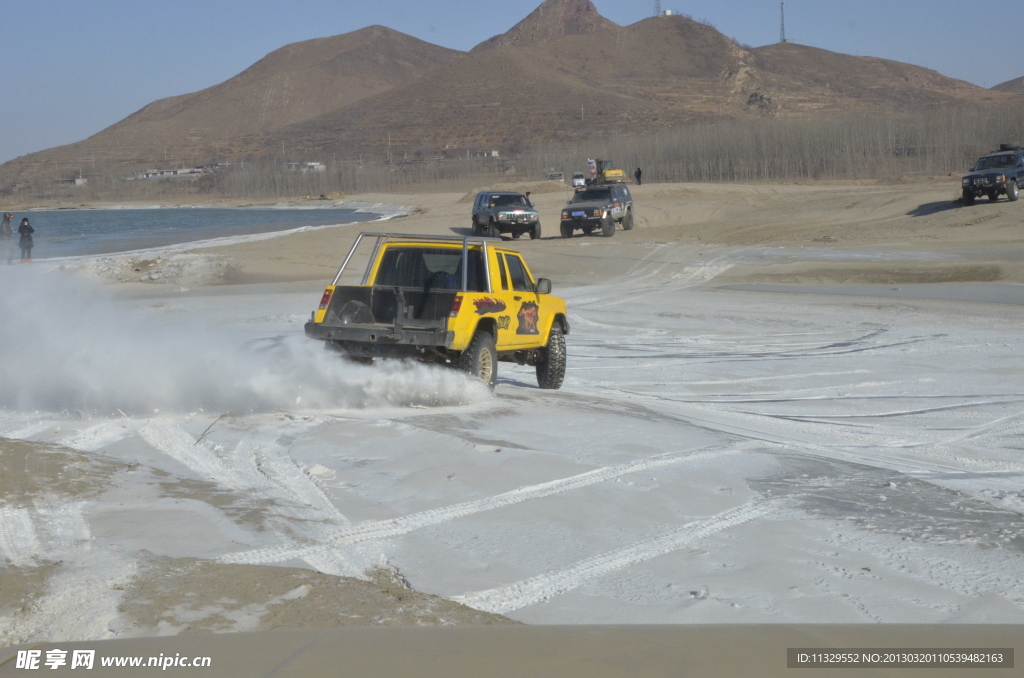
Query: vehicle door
x: 498, y: 304
x: 526, y: 308
x: 477, y: 207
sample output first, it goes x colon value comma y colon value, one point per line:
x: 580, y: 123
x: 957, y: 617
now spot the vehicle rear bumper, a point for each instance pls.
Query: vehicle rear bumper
x: 381, y: 334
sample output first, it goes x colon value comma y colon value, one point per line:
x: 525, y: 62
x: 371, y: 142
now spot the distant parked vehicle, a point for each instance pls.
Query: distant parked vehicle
x: 497, y: 212
x: 579, y: 179
x: 598, y: 207
x: 556, y: 176
x: 998, y: 173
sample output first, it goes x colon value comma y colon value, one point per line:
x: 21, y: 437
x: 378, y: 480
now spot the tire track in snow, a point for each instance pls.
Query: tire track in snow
x: 46, y: 532
x: 384, y: 529
x: 198, y: 457
x: 30, y: 430
x: 543, y: 587
x: 96, y: 437
x: 18, y: 540
x: 259, y: 466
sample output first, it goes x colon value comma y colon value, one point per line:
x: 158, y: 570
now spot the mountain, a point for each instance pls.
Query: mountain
x: 563, y: 74
x: 659, y: 73
x: 1015, y: 86
x: 296, y: 83
x: 552, y: 20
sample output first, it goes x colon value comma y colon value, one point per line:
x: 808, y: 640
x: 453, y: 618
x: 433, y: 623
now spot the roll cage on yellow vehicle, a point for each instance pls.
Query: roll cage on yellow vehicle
x: 460, y: 300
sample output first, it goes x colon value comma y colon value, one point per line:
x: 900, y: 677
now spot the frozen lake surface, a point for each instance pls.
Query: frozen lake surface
x: 67, y: 233
x: 714, y: 455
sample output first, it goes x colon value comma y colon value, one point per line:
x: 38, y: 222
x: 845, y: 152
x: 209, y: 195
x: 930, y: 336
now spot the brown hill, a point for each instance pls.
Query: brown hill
x: 552, y: 19
x: 361, y: 92
x: 1015, y: 86
x: 658, y: 73
x: 296, y: 83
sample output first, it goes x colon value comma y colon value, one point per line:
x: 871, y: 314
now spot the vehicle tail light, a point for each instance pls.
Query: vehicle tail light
x: 456, y: 305
x: 326, y: 299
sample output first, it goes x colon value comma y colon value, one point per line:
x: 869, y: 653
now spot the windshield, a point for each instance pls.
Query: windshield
x: 994, y: 162
x: 509, y: 201
x: 438, y: 268
x: 591, y: 194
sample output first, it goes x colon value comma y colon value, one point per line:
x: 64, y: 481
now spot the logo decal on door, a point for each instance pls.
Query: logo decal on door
x: 527, y: 318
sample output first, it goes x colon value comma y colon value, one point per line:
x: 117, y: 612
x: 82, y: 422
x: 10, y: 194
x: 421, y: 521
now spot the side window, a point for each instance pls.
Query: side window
x: 501, y: 272
x: 520, y: 280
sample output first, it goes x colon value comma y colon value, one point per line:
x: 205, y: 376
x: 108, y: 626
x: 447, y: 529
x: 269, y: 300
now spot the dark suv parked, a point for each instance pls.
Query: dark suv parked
x: 995, y: 174
x: 497, y: 212
x: 598, y: 206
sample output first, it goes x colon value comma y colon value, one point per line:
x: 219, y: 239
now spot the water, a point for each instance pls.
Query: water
x: 65, y: 233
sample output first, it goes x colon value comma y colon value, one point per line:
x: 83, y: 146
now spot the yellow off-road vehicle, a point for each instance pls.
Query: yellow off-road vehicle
x: 464, y: 301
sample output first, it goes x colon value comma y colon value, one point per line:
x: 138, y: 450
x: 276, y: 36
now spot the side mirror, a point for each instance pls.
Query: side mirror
x: 543, y: 286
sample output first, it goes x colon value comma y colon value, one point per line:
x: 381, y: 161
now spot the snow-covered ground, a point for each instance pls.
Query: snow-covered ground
x: 714, y: 455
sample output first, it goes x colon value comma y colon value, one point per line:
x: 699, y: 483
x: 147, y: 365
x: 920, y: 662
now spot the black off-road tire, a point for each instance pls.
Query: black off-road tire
x: 627, y: 222
x: 476, y: 229
x: 480, y: 359
x: 566, y: 230
x: 1012, y: 191
x: 968, y: 198
x: 535, y: 231
x: 551, y: 372
x: 608, y: 226
x: 493, y: 231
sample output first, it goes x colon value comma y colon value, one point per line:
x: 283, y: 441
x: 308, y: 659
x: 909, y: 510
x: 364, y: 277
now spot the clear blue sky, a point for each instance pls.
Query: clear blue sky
x: 69, y: 68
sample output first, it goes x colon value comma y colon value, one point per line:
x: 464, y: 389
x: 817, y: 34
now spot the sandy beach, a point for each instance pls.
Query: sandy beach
x: 874, y: 234
x: 784, y: 404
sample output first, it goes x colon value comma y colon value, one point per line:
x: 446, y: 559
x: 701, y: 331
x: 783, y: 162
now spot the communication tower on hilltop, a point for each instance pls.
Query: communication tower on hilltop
x: 782, y: 26
x: 657, y: 7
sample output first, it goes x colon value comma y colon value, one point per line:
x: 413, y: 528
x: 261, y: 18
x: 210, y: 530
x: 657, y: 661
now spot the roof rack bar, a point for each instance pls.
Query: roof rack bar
x: 415, y: 236
x: 348, y: 258
x: 382, y: 237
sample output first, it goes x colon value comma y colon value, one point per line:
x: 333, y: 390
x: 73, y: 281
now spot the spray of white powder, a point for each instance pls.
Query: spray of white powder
x: 66, y: 346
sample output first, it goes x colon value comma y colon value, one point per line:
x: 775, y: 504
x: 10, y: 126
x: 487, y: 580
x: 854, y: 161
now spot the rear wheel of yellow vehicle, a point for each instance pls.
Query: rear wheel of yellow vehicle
x: 480, y: 359
x: 551, y: 372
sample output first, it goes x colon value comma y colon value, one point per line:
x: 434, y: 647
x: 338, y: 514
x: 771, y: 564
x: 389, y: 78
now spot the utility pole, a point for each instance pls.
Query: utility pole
x: 657, y: 7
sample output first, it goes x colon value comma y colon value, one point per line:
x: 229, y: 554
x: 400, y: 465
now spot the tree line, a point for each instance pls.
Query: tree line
x: 852, y: 146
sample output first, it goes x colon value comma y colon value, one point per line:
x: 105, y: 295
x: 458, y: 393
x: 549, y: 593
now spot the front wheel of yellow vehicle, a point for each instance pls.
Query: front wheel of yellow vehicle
x: 480, y: 359
x: 551, y: 372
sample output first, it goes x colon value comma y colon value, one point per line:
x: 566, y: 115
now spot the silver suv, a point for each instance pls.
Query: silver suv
x: 497, y: 212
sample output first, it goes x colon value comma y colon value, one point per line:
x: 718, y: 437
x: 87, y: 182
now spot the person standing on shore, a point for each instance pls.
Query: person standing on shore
x: 6, y: 237
x: 26, y: 243
x: 637, y: 174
